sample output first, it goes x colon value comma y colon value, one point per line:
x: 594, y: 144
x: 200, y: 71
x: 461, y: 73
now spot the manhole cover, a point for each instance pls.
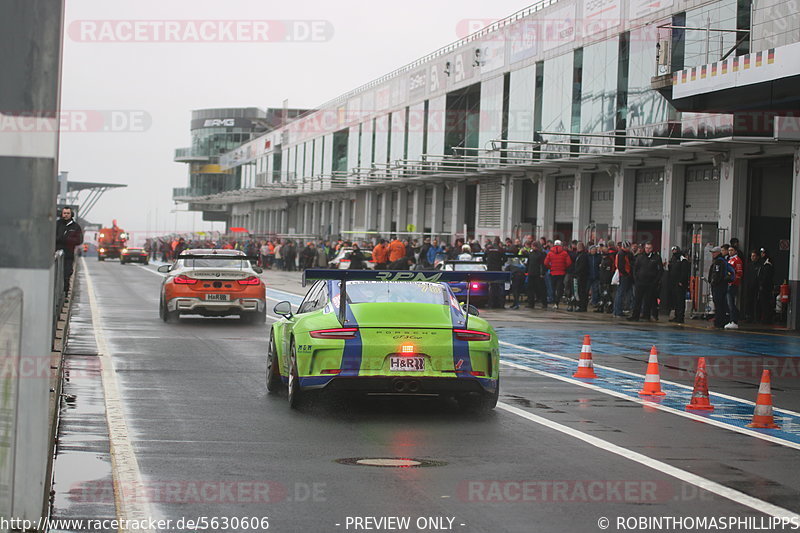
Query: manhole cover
x: 389, y: 462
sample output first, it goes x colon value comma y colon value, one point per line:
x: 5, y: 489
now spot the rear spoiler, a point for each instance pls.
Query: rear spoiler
x: 404, y: 275
x: 399, y: 275
x: 217, y: 256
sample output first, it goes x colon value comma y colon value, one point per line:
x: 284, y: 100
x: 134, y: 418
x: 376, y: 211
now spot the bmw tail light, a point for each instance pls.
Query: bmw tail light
x: 252, y: 280
x: 184, y: 280
x: 474, y: 286
x: 336, y: 333
x: 471, y: 335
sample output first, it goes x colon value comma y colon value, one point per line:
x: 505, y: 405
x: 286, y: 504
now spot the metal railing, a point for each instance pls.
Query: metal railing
x: 58, y: 289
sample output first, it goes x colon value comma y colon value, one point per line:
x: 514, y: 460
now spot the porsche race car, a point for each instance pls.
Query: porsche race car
x: 385, y: 333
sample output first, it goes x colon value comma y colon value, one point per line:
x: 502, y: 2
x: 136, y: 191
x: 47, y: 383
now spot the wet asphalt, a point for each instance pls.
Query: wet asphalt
x: 211, y: 443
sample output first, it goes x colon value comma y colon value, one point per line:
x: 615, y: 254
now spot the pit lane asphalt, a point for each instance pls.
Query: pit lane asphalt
x: 198, y: 415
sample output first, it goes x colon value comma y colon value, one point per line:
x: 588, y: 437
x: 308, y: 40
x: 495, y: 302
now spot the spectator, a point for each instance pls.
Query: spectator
x: 536, y: 288
x: 308, y: 256
x: 733, y: 287
x: 279, y: 255
x: 766, y: 275
x: 466, y: 253
x: 495, y: 259
x: 424, y: 262
x: 718, y: 279
x: 581, y: 273
x: 646, y: 276
x: 357, y: 259
x: 68, y: 235
x: 624, y: 266
x: 594, y: 273
x: 404, y: 263
x: 605, y: 272
x: 678, y: 282
x: 380, y: 254
x: 751, y: 286
x: 558, y: 261
x: 517, y: 269
x: 433, y: 252
x: 397, y: 250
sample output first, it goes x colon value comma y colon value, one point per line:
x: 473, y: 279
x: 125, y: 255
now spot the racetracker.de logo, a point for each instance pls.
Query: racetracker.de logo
x: 77, y: 121
x: 200, y: 31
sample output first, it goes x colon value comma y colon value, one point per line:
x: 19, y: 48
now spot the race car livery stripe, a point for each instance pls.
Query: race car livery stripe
x: 461, y: 360
x: 351, y: 353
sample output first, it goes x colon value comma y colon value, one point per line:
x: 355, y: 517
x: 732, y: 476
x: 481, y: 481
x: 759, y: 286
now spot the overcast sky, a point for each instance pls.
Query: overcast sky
x: 154, y: 86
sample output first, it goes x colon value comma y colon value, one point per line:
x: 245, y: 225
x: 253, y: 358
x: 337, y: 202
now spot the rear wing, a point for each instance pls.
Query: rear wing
x: 217, y: 256
x: 432, y: 276
x: 405, y: 275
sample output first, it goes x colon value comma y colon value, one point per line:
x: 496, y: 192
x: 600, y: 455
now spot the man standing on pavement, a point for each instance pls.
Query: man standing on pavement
x: 623, y: 265
x: 678, y: 278
x: 558, y: 261
x: 718, y: 279
x: 646, y: 275
x: 397, y: 250
x: 495, y: 258
x: 766, y: 276
x: 536, y: 289
x: 581, y: 273
x: 733, y: 288
x: 68, y: 235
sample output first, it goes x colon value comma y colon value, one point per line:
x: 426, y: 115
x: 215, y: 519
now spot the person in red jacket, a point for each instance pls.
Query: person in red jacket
x: 733, y: 287
x: 558, y: 261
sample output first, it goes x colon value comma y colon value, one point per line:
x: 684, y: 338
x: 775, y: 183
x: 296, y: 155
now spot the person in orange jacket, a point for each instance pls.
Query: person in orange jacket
x: 397, y: 250
x: 380, y: 254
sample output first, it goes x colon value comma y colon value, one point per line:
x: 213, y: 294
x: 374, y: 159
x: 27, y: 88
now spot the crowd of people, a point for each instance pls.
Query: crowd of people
x: 627, y: 280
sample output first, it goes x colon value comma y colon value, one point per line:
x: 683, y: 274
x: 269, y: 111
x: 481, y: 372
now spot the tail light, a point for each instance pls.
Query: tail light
x: 345, y: 261
x: 252, y: 280
x: 333, y: 371
x: 477, y: 373
x: 184, y: 280
x: 336, y: 333
x: 474, y: 286
x: 471, y: 335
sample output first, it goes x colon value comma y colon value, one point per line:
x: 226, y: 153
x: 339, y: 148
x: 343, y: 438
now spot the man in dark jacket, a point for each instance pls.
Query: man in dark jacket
x: 605, y: 273
x: 646, y: 275
x: 678, y: 281
x: 766, y: 279
x: 581, y: 272
x: 718, y: 279
x: 357, y: 258
x: 495, y: 258
x: 751, y: 286
x: 68, y: 235
x: 536, y: 288
x: 423, y: 254
x: 624, y: 265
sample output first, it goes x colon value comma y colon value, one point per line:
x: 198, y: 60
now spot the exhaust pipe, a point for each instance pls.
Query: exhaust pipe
x: 399, y: 385
x: 413, y: 386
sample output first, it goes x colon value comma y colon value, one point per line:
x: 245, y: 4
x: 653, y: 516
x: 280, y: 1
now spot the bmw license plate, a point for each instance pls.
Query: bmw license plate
x: 218, y: 297
x: 407, y: 364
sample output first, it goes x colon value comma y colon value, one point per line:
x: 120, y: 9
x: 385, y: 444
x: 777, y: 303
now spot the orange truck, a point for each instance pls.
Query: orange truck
x: 110, y: 242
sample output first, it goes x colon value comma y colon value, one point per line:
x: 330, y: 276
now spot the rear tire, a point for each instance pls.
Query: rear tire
x: 480, y: 403
x: 295, y: 395
x: 274, y: 383
x: 170, y: 317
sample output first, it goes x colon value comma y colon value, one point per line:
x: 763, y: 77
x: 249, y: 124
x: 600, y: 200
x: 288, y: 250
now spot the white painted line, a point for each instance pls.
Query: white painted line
x: 655, y: 405
x: 642, y: 376
x: 124, y: 466
x: 687, y: 477
x: 156, y: 272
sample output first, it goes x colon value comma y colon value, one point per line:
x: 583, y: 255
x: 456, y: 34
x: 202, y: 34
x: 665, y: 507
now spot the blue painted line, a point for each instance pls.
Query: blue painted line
x: 727, y: 410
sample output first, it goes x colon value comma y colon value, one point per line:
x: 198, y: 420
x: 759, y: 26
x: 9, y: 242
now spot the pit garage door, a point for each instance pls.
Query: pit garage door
x: 602, y: 207
x: 649, y: 194
x: 565, y: 195
x: 490, y: 204
x: 702, y: 194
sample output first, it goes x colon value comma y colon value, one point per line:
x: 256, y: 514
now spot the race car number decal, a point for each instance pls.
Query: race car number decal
x: 406, y: 276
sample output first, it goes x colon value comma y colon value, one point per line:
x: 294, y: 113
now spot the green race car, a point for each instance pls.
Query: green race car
x: 385, y: 333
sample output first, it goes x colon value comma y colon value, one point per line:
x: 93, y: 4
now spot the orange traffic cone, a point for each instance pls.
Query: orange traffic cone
x: 652, y: 381
x: 762, y: 416
x: 585, y: 367
x: 700, y: 400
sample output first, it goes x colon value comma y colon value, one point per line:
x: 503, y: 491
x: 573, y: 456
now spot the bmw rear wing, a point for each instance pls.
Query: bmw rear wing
x: 433, y: 276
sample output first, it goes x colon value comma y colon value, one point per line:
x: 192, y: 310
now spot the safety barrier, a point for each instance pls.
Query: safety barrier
x: 58, y: 289
x: 10, y: 338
